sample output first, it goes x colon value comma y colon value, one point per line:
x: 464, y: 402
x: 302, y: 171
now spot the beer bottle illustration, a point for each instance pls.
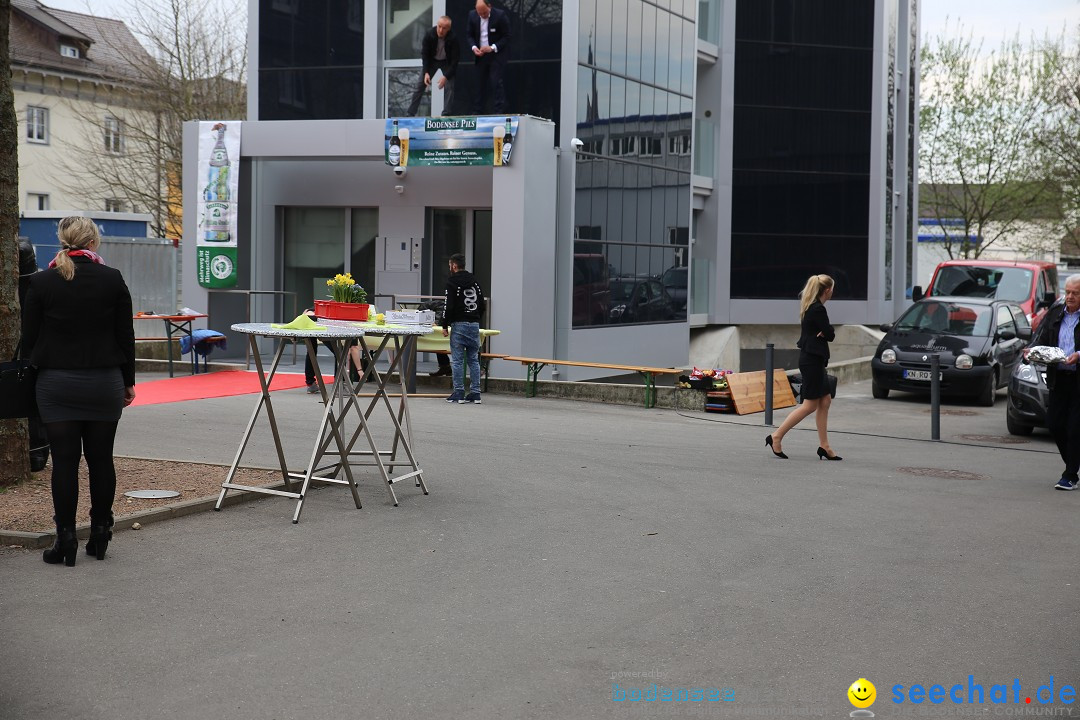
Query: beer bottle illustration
x: 395, y: 146
x: 507, y: 143
x: 216, y: 193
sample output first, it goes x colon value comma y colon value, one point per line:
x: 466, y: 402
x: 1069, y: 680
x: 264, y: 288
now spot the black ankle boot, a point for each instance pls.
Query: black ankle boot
x: 64, y: 549
x: 100, y: 535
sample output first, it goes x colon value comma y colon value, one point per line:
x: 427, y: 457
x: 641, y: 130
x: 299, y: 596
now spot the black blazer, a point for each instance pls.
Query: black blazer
x: 815, y: 321
x: 82, y: 323
x: 498, y: 32
x: 431, y: 44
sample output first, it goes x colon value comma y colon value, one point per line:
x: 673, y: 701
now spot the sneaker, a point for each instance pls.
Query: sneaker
x: 312, y: 388
x: 473, y: 398
x: 459, y: 397
x: 1065, y: 484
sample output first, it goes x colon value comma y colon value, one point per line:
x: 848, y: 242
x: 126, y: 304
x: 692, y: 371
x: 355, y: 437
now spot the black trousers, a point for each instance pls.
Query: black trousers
x: 1063, y: 420
x: 489, y: 71
x: 72, y: 440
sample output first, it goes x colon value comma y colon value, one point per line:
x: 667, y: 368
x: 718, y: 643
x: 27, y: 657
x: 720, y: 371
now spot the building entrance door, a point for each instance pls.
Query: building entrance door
x: 456, y: 230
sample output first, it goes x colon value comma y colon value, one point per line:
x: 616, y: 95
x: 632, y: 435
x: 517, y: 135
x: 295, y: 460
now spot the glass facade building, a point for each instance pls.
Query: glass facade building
x: 703, y: 158
x: 635, y: 96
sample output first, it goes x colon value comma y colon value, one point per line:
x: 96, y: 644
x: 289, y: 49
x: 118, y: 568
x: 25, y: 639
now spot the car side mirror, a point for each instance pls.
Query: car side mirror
x: 885, y: 327
x: 1007, y: 335
x: 917, y: 293
x: 1047, y: 300
x: 1024, y: 333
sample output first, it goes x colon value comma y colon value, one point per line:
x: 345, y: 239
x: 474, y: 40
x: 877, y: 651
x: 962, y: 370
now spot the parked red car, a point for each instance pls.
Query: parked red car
x: 1032, y: 284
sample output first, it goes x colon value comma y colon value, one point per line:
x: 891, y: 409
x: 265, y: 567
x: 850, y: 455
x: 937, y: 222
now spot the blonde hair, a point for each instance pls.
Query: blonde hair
x: 811, y: 292
x: 74, y: 233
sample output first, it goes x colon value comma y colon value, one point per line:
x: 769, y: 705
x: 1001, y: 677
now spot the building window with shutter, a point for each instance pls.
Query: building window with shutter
x: 113, y: 205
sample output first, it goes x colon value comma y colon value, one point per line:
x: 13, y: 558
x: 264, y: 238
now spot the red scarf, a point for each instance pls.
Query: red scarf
x: 82, y: 253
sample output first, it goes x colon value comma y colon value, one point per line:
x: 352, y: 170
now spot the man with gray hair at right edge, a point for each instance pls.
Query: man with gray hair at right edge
x: 1060, y: 328
x: 465, y: 305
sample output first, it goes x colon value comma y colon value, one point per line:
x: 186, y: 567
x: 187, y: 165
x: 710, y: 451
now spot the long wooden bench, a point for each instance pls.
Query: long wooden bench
x: 535, y: 365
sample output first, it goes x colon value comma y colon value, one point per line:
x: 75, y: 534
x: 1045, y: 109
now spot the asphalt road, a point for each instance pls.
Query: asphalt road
x: 571, y: 554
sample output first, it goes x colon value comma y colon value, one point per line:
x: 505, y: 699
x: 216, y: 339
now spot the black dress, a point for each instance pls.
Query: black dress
x: 814, y: 351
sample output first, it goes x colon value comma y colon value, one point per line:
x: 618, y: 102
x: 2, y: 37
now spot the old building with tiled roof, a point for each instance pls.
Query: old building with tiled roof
x: 76, y: 83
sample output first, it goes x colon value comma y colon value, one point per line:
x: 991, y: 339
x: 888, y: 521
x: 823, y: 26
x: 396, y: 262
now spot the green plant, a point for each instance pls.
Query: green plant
x: 344, y: 289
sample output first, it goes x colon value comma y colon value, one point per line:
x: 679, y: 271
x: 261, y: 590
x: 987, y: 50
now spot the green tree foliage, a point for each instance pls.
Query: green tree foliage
x: 1060, y: 139
x: 980, y: 161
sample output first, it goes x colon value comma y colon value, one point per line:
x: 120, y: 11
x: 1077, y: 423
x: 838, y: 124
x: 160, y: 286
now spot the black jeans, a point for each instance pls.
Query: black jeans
x: 1063, y: 420
x: 489, y: 72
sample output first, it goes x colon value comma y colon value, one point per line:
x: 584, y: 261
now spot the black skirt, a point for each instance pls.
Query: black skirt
x: 814, y: 383
x: 83, y: 394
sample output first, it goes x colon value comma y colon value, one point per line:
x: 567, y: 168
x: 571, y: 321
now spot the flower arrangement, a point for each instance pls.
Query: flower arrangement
x: 344, y: 289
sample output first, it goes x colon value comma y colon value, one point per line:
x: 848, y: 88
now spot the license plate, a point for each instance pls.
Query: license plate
x: 919, y: 375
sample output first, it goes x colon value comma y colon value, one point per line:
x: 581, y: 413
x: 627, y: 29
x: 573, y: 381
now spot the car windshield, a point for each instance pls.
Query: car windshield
x: 1003, y: 283
x: 620, y: 290
x: 947, y: 319
x: 675, y: 278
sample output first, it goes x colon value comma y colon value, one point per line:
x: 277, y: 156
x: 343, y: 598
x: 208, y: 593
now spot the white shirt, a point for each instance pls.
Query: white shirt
x: 484, y: 33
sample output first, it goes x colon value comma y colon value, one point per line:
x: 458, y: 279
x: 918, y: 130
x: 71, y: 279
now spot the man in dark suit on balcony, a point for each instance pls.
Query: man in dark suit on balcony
x: 489, y: 33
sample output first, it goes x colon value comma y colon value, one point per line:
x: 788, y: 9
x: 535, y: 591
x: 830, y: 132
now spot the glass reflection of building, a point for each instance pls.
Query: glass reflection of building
x: 635, y: 95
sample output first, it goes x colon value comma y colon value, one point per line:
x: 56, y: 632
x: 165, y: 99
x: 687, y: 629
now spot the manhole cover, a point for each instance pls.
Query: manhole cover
x: 1003, y: 439
x: 941, y: 473
x: 152, y: 494
x: 960, y: 413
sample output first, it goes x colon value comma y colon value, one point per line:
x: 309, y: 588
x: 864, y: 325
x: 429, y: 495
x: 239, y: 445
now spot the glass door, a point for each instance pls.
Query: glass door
x: 318, y: 243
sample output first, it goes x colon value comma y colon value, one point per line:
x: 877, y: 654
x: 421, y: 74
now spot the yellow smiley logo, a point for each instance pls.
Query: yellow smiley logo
x: 862, y: 693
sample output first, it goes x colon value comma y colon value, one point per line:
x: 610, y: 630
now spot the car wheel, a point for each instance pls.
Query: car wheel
x: 988, y: 394
x: 1015, y: 427
x: 879, y: 392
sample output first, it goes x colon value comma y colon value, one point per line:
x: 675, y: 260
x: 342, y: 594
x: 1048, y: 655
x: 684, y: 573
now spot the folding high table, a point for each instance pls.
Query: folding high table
x: 342, y: 406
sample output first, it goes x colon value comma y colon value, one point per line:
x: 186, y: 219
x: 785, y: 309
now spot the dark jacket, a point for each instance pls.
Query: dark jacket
x: 1047, y: 334
x: 81, y: 323
x: 464, y: 299
x: 498, y: 33
x: 453, y: 53
x: 814, y: 321
x: 27, y: 267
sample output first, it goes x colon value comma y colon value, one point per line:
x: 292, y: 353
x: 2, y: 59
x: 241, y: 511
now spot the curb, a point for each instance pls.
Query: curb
x: 36, y: 541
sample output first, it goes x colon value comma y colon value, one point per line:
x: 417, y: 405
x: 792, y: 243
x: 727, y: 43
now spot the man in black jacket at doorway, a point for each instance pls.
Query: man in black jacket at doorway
x: 465, y: 306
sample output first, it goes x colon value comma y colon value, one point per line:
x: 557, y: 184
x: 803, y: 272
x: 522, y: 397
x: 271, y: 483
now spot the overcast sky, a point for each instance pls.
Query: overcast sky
x: 990, y: 19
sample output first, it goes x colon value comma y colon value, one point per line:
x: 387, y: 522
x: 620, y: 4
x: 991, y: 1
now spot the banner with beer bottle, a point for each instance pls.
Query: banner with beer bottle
x: 486, y: 140
x: 215, y: 244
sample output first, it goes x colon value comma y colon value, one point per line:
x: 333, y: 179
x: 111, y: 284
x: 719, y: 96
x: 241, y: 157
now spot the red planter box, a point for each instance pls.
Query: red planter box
x: 341, y: 311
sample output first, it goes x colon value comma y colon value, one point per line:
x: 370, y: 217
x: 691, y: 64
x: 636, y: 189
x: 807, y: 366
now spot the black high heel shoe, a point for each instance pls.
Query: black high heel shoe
x: 822, y: 455
x: 768, y: 441
x: 100, y: 535
x: 64, y: 550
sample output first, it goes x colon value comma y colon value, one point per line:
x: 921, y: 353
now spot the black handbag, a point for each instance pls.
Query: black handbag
x: 17, y: 378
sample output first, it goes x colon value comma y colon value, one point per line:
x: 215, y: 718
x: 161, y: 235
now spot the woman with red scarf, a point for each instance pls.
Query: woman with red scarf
x: 78, y: 332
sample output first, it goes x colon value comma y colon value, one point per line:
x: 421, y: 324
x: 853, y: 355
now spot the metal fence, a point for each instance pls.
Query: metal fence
x: 149, y: 266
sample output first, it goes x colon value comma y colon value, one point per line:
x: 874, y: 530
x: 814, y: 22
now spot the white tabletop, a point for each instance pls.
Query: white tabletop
x: 371, y: 328
x: 332, y: 332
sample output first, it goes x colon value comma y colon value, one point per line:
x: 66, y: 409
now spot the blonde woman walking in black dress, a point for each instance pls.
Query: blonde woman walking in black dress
x: 813, y: 345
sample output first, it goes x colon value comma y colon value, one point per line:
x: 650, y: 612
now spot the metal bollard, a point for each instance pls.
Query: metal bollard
x: 935, y: 396
x: 768, y: 383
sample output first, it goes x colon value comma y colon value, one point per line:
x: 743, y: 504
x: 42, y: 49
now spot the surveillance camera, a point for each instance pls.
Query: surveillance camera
x: 577, y: 144
x: 400, y: 171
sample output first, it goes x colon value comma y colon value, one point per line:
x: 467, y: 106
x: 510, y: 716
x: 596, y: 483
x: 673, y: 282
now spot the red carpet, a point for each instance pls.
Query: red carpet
x: 211, y: 385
